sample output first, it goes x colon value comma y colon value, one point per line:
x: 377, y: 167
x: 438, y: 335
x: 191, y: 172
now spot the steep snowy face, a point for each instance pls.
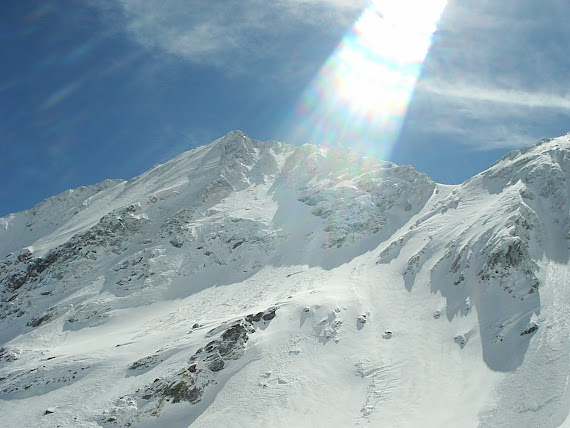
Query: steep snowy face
x: 209, y: 172
x: 484, y: 244
x: 540, y: 175
x: 238, y: 265
x: 355, y: 196
x: 55, y: 213
x: 220, y: 211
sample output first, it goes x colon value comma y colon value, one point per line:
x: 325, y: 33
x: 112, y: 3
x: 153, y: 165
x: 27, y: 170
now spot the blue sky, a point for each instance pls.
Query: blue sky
x: 101, y: 89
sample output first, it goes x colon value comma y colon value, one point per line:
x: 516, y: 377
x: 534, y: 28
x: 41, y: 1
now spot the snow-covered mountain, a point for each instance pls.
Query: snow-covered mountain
x: 248, y: 282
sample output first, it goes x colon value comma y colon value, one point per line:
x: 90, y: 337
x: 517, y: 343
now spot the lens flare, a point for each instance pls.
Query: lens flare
x: 360, y: 96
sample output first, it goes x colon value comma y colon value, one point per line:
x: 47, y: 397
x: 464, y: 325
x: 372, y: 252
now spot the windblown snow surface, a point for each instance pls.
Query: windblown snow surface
x: 261, y: 284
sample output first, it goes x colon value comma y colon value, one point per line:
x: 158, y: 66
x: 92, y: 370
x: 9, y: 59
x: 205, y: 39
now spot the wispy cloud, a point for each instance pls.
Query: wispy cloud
x: 512, y: 97
x: 495, y: 76
x: 486, y: 118
x: 235, y: 34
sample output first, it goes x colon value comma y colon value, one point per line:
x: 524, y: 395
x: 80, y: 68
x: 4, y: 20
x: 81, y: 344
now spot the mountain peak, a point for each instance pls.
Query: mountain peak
x: 238, y: 265
x: 555, y: 150
x: 542, y: 169
x: 234, y: 136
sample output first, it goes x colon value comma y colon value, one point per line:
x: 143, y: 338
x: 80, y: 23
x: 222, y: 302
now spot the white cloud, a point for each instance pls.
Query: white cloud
x: 487, y: 117
x: 495, y: 77
x: 512, y: 97
x: 235, y: 34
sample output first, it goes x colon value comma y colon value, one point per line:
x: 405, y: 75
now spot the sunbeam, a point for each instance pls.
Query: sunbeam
x: 360, y: 96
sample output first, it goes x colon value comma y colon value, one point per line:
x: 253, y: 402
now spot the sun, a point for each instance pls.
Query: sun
x: 360, y: 96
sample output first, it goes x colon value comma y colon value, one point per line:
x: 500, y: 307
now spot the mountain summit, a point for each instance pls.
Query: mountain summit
x: 248, y: 282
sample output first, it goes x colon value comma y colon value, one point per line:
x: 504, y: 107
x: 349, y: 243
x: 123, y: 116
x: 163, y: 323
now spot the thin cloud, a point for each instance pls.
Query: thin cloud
x: 495, y: 77
x: 491, y: 94
x: 485, y: 119
x: 495, y: 73
x: 509, y: 44
x: 234, y: 34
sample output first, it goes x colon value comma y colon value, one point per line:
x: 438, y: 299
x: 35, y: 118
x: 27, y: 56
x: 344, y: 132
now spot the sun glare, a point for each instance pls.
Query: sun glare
x: 360, y: 96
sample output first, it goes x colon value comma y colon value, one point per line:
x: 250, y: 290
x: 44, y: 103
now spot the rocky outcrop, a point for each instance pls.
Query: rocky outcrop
x: 189, y: 384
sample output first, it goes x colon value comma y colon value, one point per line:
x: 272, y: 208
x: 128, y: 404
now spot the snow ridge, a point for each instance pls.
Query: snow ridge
x: 243, y: 276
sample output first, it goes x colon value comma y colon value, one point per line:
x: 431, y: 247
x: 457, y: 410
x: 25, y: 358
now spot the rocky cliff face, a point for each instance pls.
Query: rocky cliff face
x: 245, y: 257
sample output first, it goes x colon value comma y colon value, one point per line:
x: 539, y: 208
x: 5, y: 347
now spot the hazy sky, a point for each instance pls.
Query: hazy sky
x: 101, y: 89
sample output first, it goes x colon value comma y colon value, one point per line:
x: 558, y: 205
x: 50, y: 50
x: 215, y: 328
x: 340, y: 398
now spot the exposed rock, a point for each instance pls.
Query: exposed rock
x: 530, y: 329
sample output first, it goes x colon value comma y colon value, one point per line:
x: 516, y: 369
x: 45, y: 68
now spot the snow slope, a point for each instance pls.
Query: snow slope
x: 249, y: 282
